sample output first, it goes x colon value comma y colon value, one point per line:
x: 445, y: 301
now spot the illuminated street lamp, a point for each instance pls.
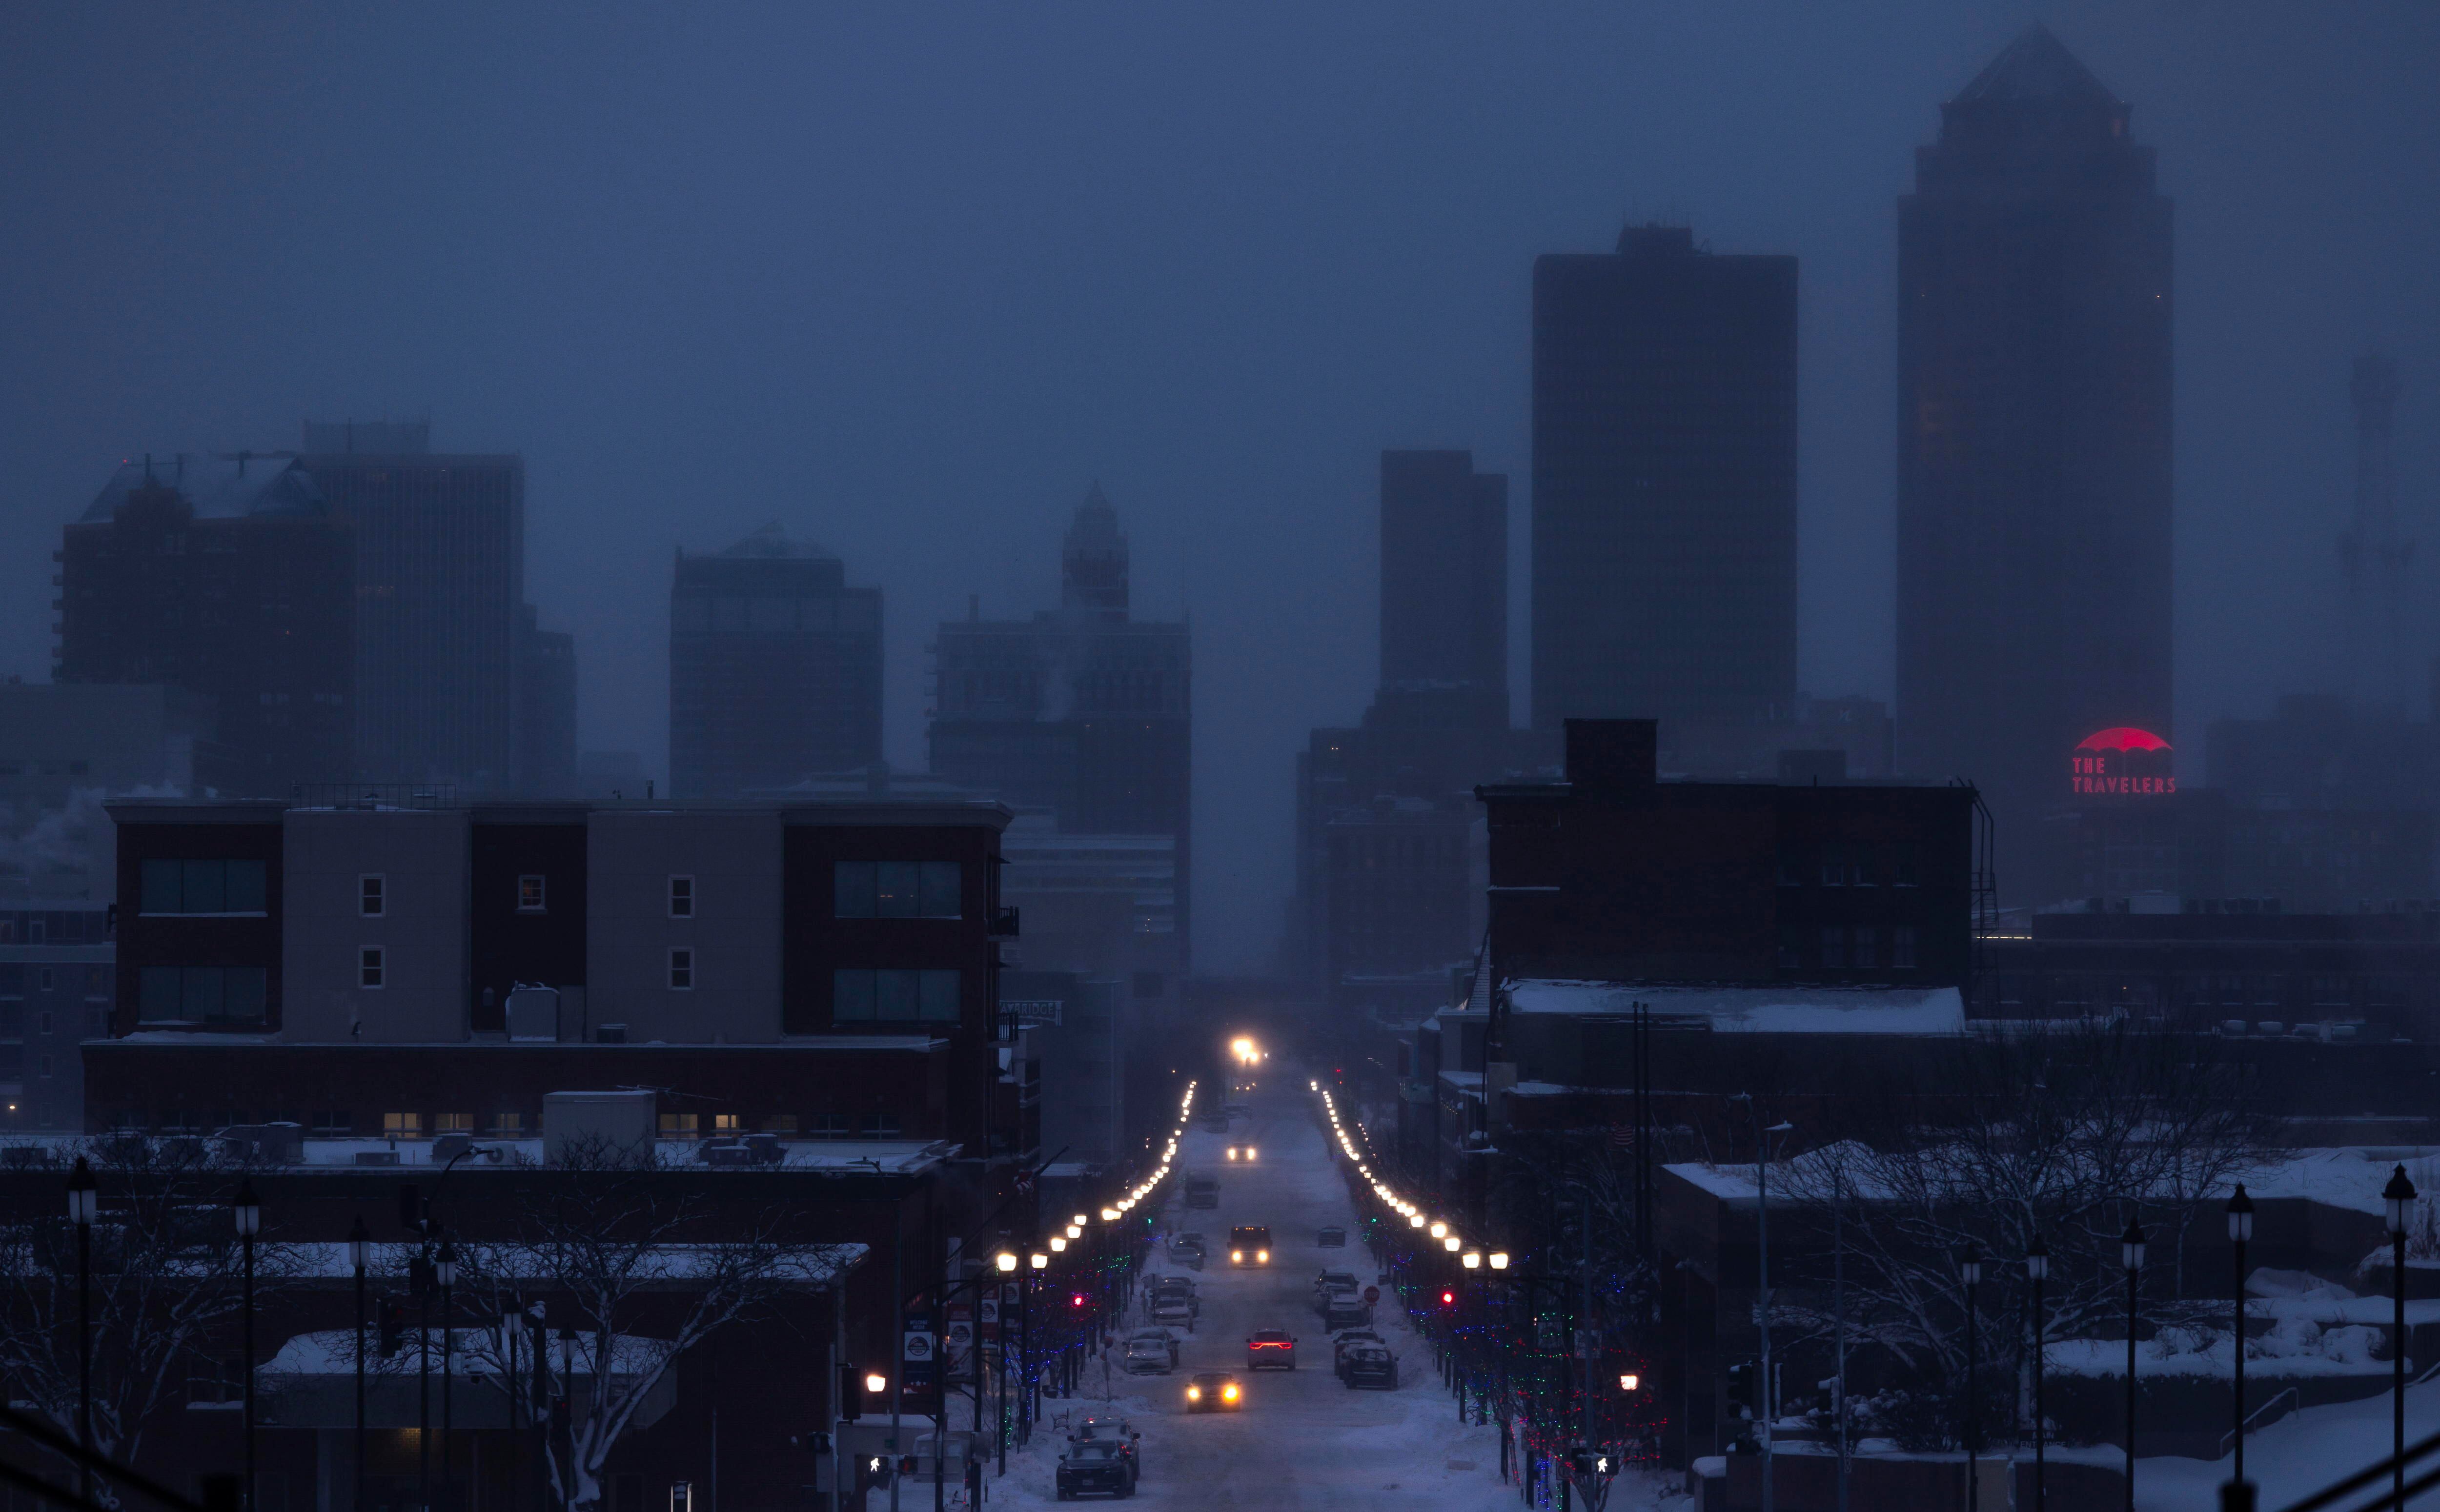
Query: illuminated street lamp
x: 1058, y: 1245
x: 1472, y: 1260
x: 1038, y: 1260
x: 1452, y: 1244
x: 1006, y: 1262
x: 1499, y: 1259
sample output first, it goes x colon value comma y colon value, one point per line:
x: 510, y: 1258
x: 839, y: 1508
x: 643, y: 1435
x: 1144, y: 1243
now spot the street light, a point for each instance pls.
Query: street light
x: 1452, y: 1244
x: 1969, y: 1270
x: 1038, y: 1260
x: 1006, y: 1262
x: 84, y: 1205
x: 2240, y: 1229
x: 1058, y: 1245
x: 2397, y: 1200
x: 2130, y: 1254
x: 1472, y: 1259
x: 360, y: 1254
x: 2037, y: 1269
x: 1629, y: 1382
x: 1499, y: 1259
x: 1440, y: 1231
x: 247, y: 1212
x: 876, y: 1382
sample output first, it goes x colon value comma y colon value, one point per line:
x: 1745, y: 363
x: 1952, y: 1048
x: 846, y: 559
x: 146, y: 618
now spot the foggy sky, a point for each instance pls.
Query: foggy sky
x: 910, y: 278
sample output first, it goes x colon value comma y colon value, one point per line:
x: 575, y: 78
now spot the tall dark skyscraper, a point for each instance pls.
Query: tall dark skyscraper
x: 1445, y: 577
x: 229, y: 577
x: 775, y: 668
x: 1084, y: 711
x: 1664, y: 484
x: 2034, y: 443
x: 440, y: 543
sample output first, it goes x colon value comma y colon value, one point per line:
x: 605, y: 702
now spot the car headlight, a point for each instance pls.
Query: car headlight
x: 1262, y: 1256
x: 1194, y: 1394
x: 1236, y: 1255
x: 1229, y: 1393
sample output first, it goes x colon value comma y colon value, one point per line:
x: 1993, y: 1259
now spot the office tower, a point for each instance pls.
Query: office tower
x: 1084, y: 711
x: 775, y: 668
x: 439, y: 586
x: 545, y: 711
x: 231, y: 578
x: 1664, y: 484
x: 2034, y: 442
x: 2375, y: 555
x: 1445, y: 577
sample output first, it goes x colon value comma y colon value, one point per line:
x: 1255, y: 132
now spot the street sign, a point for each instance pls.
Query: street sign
x: 1371, y: 1295
x: 919, y: 1346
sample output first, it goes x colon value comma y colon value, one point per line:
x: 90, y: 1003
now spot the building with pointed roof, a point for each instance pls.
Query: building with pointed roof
x: 775, y: 668
x: 2034, y: 366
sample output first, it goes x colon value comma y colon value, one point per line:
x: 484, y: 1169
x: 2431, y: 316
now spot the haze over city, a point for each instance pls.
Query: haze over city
x: 910, y: 282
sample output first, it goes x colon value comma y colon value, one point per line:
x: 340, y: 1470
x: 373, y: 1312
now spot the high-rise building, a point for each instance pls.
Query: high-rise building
x: 1445, y: 577
x: 227, y: 577
x: 1664, y: 484
x: 440, y: 544
x: 2034, y: 445
x: 545, y: 711
x: 1084, y: 711
x: 775, y: 668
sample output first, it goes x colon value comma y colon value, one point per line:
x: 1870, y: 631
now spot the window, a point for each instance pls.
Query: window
x: 1866, y: 953
x: 681, y: 970
x: 1904, y: 870
x: 895, y: 996
x: 897, y: 889
x: 368, y: 897
x: 1834, y: 948
x: 368, y: 965
x: 677, y: 1125
x: 778, y: 1123
x: 827, y: 1125
x: 726, y: 1123
x: 529, y: 894
x: 44, y: 1063
x: 1791, y: 866
x: 403, y: 1125
x: 1902, y: 959
x: 333, y: 1122
x: 204, y: 886
x: 44, y: 1017
x: 454, y: 1124
x: 2329, y: 992
x: 1833, y: 865
x: 1791, y: 947
x: 201, y: 994
x: 681, y: 897
x: 877, y: 1125
x: 507, y: 1124
x: 44, y: 981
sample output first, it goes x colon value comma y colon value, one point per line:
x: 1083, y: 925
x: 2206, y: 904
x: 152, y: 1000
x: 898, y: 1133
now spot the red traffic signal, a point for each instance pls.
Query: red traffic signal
x: 1077, y: 1299
x: 1448, y: 1297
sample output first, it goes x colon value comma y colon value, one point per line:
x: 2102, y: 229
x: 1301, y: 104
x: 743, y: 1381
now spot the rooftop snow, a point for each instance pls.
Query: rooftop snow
x: 1756, y: 1010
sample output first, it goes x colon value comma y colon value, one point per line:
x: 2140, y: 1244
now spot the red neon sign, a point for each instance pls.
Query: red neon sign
x: 2121, y: 762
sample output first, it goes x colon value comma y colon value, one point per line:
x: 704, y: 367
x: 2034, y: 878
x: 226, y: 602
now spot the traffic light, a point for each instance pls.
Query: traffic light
x: 1078, y: 1299
x: 812, y: 1443
x: 393, y: 1328
x: 850, y: 1394
x: 1741, y: 1387
x: 1448, y: 1297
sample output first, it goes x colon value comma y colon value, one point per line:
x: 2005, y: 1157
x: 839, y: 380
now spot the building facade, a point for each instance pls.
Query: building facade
x: 440, y: 585
x: 775, y: 668
x: 1664, y: 484
x: 547, y: 712
x: 1445, y: 577
x: 1084, y: 712
x: 231, y: 582
x: 2034, y: 500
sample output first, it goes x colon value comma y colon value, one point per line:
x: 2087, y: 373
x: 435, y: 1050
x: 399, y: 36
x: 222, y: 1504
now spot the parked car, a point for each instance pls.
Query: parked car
x: 1330, y: 1281
x: 1370, y: 1365
x: 1172, y: 1308
x: 1105, y: 1428
x: 1148, y: 1353
x: 1214, y: 1391
x: 1095, y: 1466
x: 1345, y: 1309
x: 1183, y: 1250
x: 1175, y: 1285
x: 1348, y: 1339
x: 1332, y: 1238
x: 1270, y: 1349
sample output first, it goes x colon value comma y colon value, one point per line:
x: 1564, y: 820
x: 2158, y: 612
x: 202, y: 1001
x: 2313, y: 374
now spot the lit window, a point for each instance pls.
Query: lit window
x: 681, y: 897
x: 529, y: 894
x: 369, y: 899
x: 681, y: 970
x: 403, y: 1125
x: 677, y: 1125
x: 454, y: 1124
x: 727, y: 1122
x: 508, y: 1124
x: 368, y: 965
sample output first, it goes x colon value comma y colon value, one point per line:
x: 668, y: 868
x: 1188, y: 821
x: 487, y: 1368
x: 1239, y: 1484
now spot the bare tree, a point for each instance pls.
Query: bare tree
x: 164, y: 1285
x: 2067, y: 1131
x: 643, y: 1263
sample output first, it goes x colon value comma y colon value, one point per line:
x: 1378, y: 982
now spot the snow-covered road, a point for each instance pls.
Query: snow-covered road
x: 1302, y: 1440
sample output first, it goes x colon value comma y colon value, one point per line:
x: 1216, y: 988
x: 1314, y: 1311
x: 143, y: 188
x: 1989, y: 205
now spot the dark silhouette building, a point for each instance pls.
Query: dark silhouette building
x: 1664, y: 484
x: 1084, y: 711
x: 441, y: 589
x: 1445, y: 577
x: 2034, y: 444
x: 232, y: 579
x: 547, y: 712
x: 775, y: 668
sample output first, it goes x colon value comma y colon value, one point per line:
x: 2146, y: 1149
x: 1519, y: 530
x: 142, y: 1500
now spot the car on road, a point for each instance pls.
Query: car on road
x: 1344, y: 1310
x: 1249, y: 1244
x: 1370, y: 1365
x: 1187, y: 1249
x: 1241, y: 1152
x: 1105, y: 1428
x: 1349, y: 1338
x: 1095, y: 1466
x: 1203, y: 1189
x: 1172, y: 1308
x: 1330, y: 1281
x: 1167, y: 1340
x: 1332, y: 1238
x: 1270, y: 1349
x: 1149, y: 1357
x: 1214, y: 1391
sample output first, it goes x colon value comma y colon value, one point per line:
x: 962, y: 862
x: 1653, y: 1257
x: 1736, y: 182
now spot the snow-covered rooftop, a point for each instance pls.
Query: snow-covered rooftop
x: 1755, y: 1009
